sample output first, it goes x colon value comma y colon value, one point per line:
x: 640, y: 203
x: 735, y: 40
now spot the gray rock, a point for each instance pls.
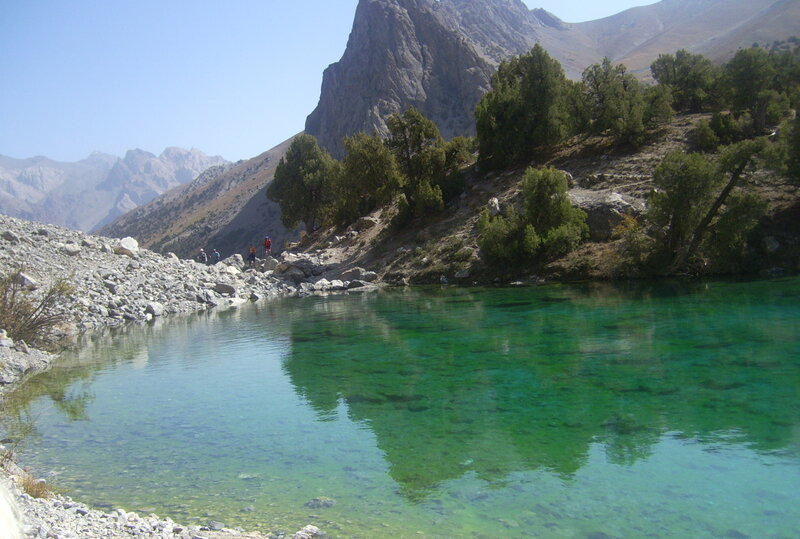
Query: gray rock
x: 493, y: 206
x: 360, y: 274
x: 208, y: 297
x: 605, y: 210
x: 268, y: 264
x: 128, y: 247
x: 26, y: 281
x: 5, y: 340
x: 154, y: 308
x: 225, y: 288
x: 10, y: 237
x: 71, y: 249
x: 308, y: 532
x: 320, y: 503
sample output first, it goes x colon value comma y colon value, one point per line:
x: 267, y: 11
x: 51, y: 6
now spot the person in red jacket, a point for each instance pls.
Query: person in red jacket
x: 267, y: 246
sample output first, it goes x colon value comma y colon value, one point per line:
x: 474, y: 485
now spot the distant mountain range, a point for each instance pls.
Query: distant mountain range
x: 224, y: 208
x: 439, y: 56
x: 94, y: 191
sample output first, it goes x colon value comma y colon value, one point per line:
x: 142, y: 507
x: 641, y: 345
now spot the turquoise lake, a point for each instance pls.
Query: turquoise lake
x: 592, y: 411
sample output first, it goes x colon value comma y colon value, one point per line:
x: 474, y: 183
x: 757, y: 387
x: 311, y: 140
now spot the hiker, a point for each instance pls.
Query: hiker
x: 215, y: 256
x: 267, y: 247
x: 251, y: 256
x: 202, y: 257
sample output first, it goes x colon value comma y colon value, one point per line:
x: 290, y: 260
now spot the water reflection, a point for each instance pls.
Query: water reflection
x: 425, y: 406
x: 495, y: 382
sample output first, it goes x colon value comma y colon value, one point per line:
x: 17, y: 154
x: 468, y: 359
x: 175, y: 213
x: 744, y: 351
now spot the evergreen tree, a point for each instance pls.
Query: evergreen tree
x: 549, y: 227
x: 303, y: 183
x: 421, y: 156
x: 750, y: 76
x: 370, y: 177
x: 615, y: 101
x: 525, y: 111
x: 690, y: 77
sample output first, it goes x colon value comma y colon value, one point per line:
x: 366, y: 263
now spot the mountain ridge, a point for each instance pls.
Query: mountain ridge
x: 88, y: 193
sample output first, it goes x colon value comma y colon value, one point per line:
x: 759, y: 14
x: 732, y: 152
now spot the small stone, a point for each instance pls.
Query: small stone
x: 10, y: 237
x: 26, y: 281
x: 493, y: 206
x: 154, y: 308
x: 225, y: 288
x: 71, y: 249
x: 128, y: 247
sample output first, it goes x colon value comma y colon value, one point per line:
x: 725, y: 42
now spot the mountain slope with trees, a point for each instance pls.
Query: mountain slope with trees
x: 714, y: 195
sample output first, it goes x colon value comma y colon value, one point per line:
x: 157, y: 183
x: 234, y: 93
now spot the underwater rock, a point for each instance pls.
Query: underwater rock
x: 320, y: 503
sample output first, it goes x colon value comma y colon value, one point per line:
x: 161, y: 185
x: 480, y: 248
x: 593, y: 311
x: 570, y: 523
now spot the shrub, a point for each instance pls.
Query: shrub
x: 549, y: 228
x: 703, y: 138
x: 36, y: 488
x: 27, y: 318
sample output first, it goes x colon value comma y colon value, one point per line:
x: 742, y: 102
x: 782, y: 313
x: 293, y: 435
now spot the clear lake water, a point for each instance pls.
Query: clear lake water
x: 655, y: 409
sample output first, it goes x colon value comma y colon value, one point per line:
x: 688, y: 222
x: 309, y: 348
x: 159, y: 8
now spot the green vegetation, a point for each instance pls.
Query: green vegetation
x: 303, y: 183
x: 549, y: 226
x: 27, y: 317
x: 700, y: 214
x: 414, y: 168
x: 526, y: 111
x: 695, y: 202
x: 370, y: 178
x: 690, y: 78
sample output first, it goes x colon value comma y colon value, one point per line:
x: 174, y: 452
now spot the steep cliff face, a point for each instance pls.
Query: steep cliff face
x: 399, y: 55
x: 438, y: 55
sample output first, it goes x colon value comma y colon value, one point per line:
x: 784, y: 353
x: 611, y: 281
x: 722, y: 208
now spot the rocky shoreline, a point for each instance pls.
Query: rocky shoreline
x: 114, y: 283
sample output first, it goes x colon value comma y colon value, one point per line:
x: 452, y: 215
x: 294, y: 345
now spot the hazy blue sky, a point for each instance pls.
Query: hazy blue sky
x: 231, y: 78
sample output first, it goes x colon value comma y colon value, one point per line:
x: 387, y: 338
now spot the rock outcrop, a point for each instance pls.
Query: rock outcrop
x: 399, y: 55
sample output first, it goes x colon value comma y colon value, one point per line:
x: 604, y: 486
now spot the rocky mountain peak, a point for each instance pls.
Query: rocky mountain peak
x: 399, y: 55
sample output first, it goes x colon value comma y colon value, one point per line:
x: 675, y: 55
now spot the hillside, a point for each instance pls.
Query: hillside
x: 608, y: 181
x: 224, y: 208
x: 437, y: 56
x: 91, y: 192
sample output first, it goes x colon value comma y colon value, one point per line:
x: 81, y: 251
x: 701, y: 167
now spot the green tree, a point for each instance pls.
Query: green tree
x: 615, y: 101
x: 548, y: 209
x: 507, y: 240
x: 421, y: 156
x: 303, y: 183
x: 369, y: 178
x: 525, y: 111
x: 695, y: 200
x: 749, y: 76
x: 549, y: 227
x: 792, y: 142
x: 690, y: 77
x: 685, y: 185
